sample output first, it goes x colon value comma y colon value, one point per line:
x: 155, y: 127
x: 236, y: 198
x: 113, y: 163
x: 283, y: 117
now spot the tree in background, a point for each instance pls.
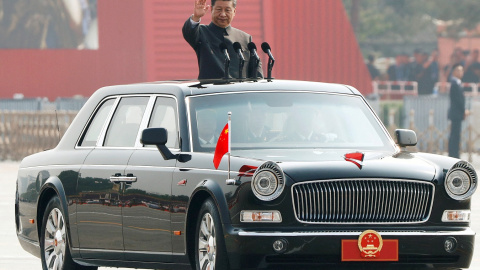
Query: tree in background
x: 382, y: 23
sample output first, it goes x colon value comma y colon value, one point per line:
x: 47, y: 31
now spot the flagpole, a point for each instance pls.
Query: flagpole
x: 229, y: 140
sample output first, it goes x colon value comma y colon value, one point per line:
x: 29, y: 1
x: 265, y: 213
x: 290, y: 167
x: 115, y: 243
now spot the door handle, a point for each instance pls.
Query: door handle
x: 119, y: 179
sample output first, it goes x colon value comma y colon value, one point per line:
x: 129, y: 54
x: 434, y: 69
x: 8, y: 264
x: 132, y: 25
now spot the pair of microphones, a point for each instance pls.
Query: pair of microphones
x: 254, y: 60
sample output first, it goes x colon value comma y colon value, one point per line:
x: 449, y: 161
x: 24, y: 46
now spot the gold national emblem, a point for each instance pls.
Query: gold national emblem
x: 370, y: 244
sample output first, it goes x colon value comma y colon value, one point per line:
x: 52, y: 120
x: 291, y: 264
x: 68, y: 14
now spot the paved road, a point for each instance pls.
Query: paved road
x: 13, y: 257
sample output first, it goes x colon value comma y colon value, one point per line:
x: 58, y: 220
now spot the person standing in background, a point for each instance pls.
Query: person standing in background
x: 457, y: 111
x: 374, y: 73
x: 472, y: 67
x: 398, y: 71
x: 430, y: 74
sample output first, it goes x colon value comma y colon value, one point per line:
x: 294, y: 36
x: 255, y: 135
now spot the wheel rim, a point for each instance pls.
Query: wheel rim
x: 207, y: 249
x: 55, y: 241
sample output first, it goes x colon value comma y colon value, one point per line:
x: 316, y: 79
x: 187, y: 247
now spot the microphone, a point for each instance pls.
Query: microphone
x: 271, y: 60
x: 223, y: 48
x: 254, y: 60
x: 266, y: 49
x: 238, y: 49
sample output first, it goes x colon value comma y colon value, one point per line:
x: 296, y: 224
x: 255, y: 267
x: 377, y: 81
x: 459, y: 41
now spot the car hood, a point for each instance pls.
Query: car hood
x: 332, y: 164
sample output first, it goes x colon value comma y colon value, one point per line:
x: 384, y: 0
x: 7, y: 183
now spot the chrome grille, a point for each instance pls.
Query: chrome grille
x: 362, y: 201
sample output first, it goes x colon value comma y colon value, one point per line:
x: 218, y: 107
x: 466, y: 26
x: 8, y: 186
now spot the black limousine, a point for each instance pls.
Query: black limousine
x: 238, y: 175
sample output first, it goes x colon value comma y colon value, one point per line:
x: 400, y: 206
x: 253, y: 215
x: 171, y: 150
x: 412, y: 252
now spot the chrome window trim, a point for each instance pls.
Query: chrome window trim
x: 102, y: 135
x: 372, y: 112
x: 145, y: 119
x: 466, y: 232
x: 149, y: 115
x: 360, y: 179
x: 104, y: 132
x: 190, y: 136
x: 90, y: 118
x: 143, y: 124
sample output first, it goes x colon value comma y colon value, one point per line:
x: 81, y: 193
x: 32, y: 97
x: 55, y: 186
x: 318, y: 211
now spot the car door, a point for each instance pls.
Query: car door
x: 147, y: 208
x: 102, y: 180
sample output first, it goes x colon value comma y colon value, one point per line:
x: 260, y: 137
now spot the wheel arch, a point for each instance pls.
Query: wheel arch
x: 52, y: 187
x: 205, y: 190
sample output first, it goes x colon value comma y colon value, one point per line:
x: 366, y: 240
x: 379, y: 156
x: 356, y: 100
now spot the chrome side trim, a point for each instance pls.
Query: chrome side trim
x: 93, y: 250
x: 28, y: 241
x: 467, y: 232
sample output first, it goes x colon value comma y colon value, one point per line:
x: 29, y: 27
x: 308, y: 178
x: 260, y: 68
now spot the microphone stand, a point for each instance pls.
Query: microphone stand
x: 223, y: 47
x: 227, y: 66
x: 254, y: 61
x: 240, y: 68
x: 241, y: 59
x: 271, y: 60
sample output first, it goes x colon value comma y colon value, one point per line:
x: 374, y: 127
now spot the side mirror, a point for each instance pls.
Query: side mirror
x: 158, y: 137
x: 154, y: 136
x: 406, y: 137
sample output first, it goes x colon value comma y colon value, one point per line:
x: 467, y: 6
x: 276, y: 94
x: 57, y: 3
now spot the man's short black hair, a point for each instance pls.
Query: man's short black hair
x: 234, y: 2
x: 456, y: 65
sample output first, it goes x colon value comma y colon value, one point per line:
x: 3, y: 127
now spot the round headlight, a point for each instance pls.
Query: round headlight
x: 461, y: 181
x: 268, y: 181
x: 458, y: 182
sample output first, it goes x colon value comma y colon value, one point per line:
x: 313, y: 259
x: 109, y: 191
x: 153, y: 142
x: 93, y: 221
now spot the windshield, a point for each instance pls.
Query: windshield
x: 286, y: 120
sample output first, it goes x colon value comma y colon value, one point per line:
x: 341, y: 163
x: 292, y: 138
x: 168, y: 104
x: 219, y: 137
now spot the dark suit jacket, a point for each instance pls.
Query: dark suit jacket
x: 457, y: 102
x: 206, y: 40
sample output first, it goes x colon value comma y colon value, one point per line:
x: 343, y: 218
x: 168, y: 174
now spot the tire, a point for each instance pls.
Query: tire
x: 54, y: 246
x: 210, y: 251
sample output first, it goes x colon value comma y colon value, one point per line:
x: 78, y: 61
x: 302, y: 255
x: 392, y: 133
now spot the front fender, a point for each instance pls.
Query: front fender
x: 215, y: 191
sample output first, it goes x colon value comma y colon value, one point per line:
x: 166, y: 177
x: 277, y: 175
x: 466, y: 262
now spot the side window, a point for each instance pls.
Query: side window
x: 90, y: 137
x: 164, y: 115
x: 126, y: 120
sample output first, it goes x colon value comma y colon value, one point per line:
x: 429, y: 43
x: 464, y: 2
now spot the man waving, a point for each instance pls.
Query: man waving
x: 206, y: 39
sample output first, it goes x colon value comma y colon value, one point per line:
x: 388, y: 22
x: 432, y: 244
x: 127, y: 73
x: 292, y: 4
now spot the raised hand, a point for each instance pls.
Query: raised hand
x: 200, y: 9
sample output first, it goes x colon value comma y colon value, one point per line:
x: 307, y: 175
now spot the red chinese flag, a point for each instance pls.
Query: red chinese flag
x: 222, y: 147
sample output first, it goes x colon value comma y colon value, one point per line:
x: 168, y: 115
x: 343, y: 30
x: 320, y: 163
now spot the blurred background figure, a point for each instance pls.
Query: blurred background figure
x: 457, y: 111
x: 428, y: 72
x: 399, y: 70
x: 472, y: 68
x: 374, y: 73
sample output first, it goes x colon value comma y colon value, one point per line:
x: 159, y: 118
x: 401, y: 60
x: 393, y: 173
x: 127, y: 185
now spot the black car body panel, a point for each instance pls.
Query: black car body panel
x: 128, y: 206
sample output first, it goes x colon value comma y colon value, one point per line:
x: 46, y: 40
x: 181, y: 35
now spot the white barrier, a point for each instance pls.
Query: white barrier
x: 395, y: 88
x: 470, y: 89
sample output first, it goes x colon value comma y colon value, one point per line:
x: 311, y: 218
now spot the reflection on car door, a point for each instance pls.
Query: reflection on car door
x: 147, y: 209
x: 101, y: 184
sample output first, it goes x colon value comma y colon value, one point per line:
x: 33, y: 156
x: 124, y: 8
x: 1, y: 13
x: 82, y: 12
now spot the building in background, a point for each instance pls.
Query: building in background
x: 124, y: 41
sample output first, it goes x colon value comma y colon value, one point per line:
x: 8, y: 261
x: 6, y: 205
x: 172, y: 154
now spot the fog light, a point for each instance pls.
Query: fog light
x: 280, y: 245
x: 450, y: 245
x: 456, y: 216
x: 260, y: 216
